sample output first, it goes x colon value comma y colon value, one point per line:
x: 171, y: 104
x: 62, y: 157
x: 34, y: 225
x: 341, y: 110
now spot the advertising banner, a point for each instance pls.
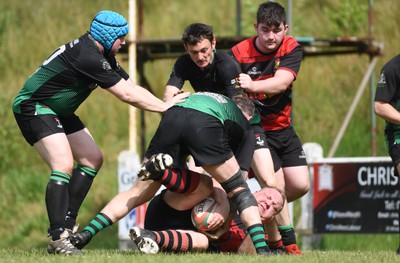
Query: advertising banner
x: 128, y: 166
x: 355, y: 195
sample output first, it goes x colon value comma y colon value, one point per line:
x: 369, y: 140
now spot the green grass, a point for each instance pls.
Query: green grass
x: 109, y: 255
x: 31, y: 29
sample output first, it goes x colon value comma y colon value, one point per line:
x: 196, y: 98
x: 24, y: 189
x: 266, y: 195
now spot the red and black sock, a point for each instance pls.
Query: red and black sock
x: 174, y: 241
x: 180, y: 180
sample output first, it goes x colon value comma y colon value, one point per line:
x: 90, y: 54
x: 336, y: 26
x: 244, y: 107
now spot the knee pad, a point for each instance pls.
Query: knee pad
x: 234, y: 182
x: 243, y: 198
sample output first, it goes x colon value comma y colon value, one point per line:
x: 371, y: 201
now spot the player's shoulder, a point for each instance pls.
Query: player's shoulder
x: 393, y: 63
x: 244, y: 49
x: 290, y: 44
x: 225, y: 60
x: 83, y: 51
x: 183, y: 59
x: 244, y: 44
x: 222, y: 55
x: 185, y: 64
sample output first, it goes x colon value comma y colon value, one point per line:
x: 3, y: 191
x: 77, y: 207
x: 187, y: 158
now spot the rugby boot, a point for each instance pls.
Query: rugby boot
x: 265, y: 253
x: 145, y: 240
x: 277, y: 247
x: 63, y: 246
x: 293, y: 249
x: 155, y: 167
x: 81, y: 239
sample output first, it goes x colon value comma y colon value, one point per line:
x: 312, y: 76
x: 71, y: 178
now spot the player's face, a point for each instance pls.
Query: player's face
x: 270, y: 203
x: 269, y: 37
x: 117, y: 45
x: 202, y: 53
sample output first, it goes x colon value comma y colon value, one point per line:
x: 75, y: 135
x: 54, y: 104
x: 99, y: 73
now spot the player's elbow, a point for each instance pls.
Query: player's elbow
x: 378, y: 108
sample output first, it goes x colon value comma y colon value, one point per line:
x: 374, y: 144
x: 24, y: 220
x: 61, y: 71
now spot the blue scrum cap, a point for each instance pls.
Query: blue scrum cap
x: 107, y: 26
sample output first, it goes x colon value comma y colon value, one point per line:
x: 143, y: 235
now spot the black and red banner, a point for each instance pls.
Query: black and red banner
x: 355, y: 195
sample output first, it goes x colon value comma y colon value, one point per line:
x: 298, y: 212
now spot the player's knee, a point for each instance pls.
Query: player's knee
x: 64, y: 165
x: 297, y: 192
x: 306, y: 187
x: 94, y: 159
x: 243, y: 199
x: 98, y: 160
x: 239, y: 192
x: 200, y: 242
x: 294, y: 192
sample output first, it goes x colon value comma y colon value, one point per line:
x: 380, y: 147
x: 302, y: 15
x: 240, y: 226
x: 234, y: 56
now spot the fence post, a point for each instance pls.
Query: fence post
x: 314, y: 152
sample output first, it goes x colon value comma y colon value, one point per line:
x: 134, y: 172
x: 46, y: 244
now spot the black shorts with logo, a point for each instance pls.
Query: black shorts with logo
x: 286, y: 148
x: 35, y: 128
x: 261, y: 137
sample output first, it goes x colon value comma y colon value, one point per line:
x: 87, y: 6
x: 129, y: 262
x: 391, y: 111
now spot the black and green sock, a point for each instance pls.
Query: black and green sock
x: 57, y: 202
x: 257, y: 235
x: 288, y: 235
x: 98, y: 223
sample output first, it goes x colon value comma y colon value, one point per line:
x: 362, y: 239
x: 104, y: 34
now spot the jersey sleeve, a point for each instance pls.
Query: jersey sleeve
x: 98, y: 69
x: 387, y: 84
x: 117, y: 67
x: 229, y: 70
x: 291, y: 61
x: 178, y: 77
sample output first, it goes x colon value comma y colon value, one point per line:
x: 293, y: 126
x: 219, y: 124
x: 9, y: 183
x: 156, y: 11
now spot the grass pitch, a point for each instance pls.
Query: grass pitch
x: 107, y: 256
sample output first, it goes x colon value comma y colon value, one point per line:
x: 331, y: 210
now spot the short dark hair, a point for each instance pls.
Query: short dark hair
x: 196, y: 32
x: 244, y: 103
x: 271, y: 14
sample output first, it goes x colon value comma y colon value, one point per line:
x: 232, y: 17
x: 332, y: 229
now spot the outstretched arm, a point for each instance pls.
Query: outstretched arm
x: 387, y: 112
x: 170, y: 92
x: 139, y: 97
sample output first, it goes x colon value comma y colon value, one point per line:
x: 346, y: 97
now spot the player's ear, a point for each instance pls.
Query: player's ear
x: 213, y: 44
x: 286, y: 29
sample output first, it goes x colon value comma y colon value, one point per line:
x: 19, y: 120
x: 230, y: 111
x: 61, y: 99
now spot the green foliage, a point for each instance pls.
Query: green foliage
x: 30, y: 30
x: 348, y: 18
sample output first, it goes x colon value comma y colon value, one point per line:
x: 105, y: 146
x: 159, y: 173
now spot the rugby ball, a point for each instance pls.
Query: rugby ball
x: 201, y: 212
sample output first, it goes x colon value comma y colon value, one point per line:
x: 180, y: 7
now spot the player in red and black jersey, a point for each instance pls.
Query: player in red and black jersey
x: 274, y: 106
x: 270, y: 63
